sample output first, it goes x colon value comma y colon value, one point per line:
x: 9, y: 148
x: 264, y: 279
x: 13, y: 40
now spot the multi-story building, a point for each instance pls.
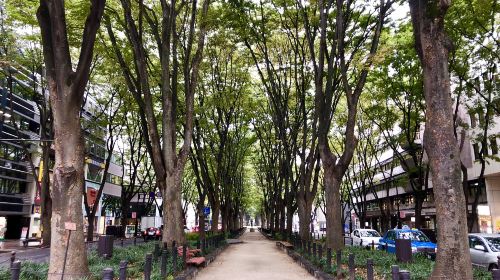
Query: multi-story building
x: 388, y: 198
x: 19, y: 208
x: 19, y: 121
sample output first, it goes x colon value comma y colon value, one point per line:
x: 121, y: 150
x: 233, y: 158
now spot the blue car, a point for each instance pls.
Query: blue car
x: 420, y: 243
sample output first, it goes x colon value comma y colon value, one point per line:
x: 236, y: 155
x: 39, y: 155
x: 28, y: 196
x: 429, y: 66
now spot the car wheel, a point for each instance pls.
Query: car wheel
x: 492, y: 266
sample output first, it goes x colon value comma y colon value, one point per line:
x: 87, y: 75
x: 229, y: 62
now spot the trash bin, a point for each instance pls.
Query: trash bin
x: 403, y: 250
x: 105, y: 245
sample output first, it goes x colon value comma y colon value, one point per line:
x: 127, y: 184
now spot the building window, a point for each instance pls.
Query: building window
x: 493, y: 145
x: 476, y: 151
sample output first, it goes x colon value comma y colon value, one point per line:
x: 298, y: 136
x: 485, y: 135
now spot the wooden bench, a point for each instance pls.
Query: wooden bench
x: 284, y: 245
x: 196, y: 261
x: 191, y: 258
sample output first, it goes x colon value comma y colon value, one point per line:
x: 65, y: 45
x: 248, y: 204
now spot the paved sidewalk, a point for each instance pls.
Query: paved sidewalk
x: 256, y: 258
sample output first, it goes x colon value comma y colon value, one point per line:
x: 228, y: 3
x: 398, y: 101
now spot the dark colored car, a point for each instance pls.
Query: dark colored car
x: 151, y: 233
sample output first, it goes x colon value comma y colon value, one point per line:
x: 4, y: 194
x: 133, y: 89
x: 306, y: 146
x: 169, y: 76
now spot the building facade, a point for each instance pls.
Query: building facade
x: 388, y: 199
x: 20, y: 152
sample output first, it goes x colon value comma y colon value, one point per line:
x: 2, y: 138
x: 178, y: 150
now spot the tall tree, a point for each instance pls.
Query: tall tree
x: 433, y: 46
x: 334, y: 78
x: 174, y: 32
x: 67, y: 87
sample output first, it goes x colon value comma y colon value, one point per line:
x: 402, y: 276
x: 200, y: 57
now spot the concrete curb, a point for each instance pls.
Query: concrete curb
x: 306, y: 264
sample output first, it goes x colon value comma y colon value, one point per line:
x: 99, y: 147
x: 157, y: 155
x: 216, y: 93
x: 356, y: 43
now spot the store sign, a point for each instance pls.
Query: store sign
x: 24, y: 233
x: 91, y: 196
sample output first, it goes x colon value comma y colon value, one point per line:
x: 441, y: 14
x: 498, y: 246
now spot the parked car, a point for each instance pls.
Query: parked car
x: 365, y: 237
x: 484, y: 250
x: 431, y: 233
x: 151, y: 233
x: 420, y: 243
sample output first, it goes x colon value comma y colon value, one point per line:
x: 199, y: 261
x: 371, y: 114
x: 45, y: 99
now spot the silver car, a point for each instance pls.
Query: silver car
x: 365, y: 237
x: 484, y: 249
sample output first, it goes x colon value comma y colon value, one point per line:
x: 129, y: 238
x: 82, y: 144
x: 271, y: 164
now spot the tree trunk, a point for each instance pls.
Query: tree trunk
x: 419, y: 200
x: 66, y: 88
x: 90, y: 228
x: 173, y: 227
x: 289, y: 222
x: 123, y: 218
x: 67, y: 194
x: 305, y: 210
x: 334, y: 228
x: 215, y: 217
x: 432, y: 45
x: 201, y: 218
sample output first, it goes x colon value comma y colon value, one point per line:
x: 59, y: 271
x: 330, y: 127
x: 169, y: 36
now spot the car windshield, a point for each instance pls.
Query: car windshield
x: 369, y: 233
x: 414, y: 236
x: 494, y: 243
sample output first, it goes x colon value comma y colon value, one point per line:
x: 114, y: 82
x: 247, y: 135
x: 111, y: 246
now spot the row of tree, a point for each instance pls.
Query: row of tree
x: 278, y: 94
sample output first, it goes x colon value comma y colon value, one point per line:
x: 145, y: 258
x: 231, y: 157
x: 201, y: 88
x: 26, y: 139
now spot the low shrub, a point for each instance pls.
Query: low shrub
x: 134, y: 255
x: 420, y: 268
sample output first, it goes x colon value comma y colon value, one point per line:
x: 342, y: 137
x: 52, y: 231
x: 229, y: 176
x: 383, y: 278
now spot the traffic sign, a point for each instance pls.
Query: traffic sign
x: 206, y: 211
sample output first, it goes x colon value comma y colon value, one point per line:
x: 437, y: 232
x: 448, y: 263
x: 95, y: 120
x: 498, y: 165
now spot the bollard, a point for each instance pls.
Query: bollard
x: 369, y: 269
x: 373, y: 245
x: 352, y: 241
x: 121, y: 242
x: 108, y: 274
x: 123, y: 270
x: 395, y: 272
x: 135, y: 240
x: 351, y: 267
x: 314, y: 250
x: 12, y: 257
x: 339, y: 263
x: 15, y: 270
x: 174, y: 257
x: 184, y: 255
x: 405, y: 275
x: 156, y: 252
x: 329, y: 259
x: 495, y: 274
x: 147, y: 266
x: 163, y: 263
x: 320, y: 251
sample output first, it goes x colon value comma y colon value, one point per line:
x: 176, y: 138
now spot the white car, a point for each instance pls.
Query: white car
x: 365, y: 237
x: 484, y: 250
